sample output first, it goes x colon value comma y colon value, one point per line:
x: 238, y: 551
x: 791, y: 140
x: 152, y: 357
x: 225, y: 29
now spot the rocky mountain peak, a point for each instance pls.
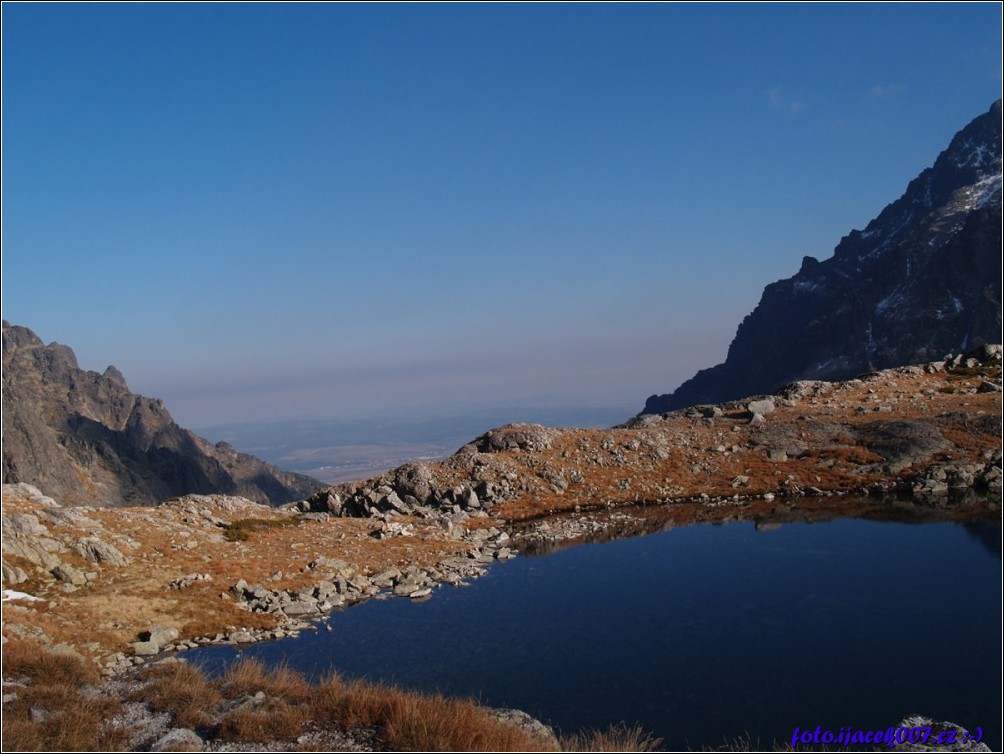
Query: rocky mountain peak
x: 922, y: 279
x: 84, y: 439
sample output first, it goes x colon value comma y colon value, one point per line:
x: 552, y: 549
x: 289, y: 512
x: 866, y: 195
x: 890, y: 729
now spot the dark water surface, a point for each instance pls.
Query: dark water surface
x: 702, y: 633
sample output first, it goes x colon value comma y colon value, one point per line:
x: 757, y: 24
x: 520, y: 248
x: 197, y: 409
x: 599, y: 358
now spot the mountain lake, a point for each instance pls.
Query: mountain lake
x: 703, y: 634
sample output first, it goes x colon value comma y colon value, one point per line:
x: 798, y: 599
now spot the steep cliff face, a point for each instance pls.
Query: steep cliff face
x: 84, y: 439
x: 923, y: 279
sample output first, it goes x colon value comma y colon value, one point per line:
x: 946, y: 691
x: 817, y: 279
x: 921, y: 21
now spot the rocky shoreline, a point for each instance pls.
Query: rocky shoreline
x: 299, y: 610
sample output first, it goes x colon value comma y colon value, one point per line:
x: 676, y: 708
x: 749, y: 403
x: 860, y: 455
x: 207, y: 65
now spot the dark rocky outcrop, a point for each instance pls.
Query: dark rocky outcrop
x: 83, y: 438
x: 923, y: 279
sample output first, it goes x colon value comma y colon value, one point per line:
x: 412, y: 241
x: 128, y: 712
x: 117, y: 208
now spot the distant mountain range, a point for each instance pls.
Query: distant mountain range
x: 84, y: 439
x: 923, y: 279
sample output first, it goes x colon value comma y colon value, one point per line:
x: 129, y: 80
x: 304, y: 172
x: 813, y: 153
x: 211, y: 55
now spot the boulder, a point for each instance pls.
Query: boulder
x: 300, y: 608
x: 531, y: 437
x: 160, y: 635
x: 13, y: 574
x: 145, y: 648
x: 763, y: 407
x: 97, y: 551
x: 69, y: 574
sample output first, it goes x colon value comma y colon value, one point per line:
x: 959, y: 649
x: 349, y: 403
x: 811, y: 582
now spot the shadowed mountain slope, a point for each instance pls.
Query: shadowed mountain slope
x: 85, y: 439
x: 923, y: 279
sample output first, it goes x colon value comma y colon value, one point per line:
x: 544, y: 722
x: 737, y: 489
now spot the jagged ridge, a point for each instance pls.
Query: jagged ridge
x: 921, y: 280
x: 85, y: 439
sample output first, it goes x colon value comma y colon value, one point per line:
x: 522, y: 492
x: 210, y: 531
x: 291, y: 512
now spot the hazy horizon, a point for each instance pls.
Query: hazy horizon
x: 261, y: 211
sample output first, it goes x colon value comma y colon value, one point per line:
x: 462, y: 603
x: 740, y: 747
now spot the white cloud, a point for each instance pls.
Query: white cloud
x: 885, y: 91
x: 781, y: 101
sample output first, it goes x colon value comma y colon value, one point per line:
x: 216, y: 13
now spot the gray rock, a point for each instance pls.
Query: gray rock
x: 315, y: 516
x: 795, y: 391
x: 179, y: 739
x: 469, y: 500
x: 300, y: 608
x: 406, y: 588
x: 394, y: 529
x: 69, y: 574
x: 395, y: 503
x: 145, y: 648
x: 23, y: 525
x: 187, y: 580
x: 97, y: 551
x: 386, y: 578
x: 762, y: 407
x: 531, y: 437
x: 39, y: 715
x: 13, y: 574
x: 527, y: 723
x: 160, y: 635
x: 328, y: 502
x: 41, y: 552
x: 23, y: 491
x: 963, y: 741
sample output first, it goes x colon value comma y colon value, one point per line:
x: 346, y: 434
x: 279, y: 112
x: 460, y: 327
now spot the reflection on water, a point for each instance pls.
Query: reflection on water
x: 703, y: 633
x: 988, y: 534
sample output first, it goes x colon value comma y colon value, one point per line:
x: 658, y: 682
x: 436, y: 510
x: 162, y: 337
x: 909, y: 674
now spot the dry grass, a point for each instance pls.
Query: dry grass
x: 407, y: 721
x: 30, y: 658
x: 248, y: 677
x: 251, y: 705
x: 53, y: 711
x: 616, y: 738
x: 79, y: 726
x: 182, y: 691
x: 242, y: 529
x: 272, y: 720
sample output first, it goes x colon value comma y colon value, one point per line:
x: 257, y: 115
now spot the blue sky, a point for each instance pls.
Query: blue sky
x: 262, y: 211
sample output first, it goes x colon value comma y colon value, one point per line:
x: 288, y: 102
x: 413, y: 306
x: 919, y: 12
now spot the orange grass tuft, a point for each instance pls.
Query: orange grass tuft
x: 52, y: 711
x: 616, y: 738
x: 181, y: 690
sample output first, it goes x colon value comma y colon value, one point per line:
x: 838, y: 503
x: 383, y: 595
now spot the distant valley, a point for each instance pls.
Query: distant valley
x: 338, y: 450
